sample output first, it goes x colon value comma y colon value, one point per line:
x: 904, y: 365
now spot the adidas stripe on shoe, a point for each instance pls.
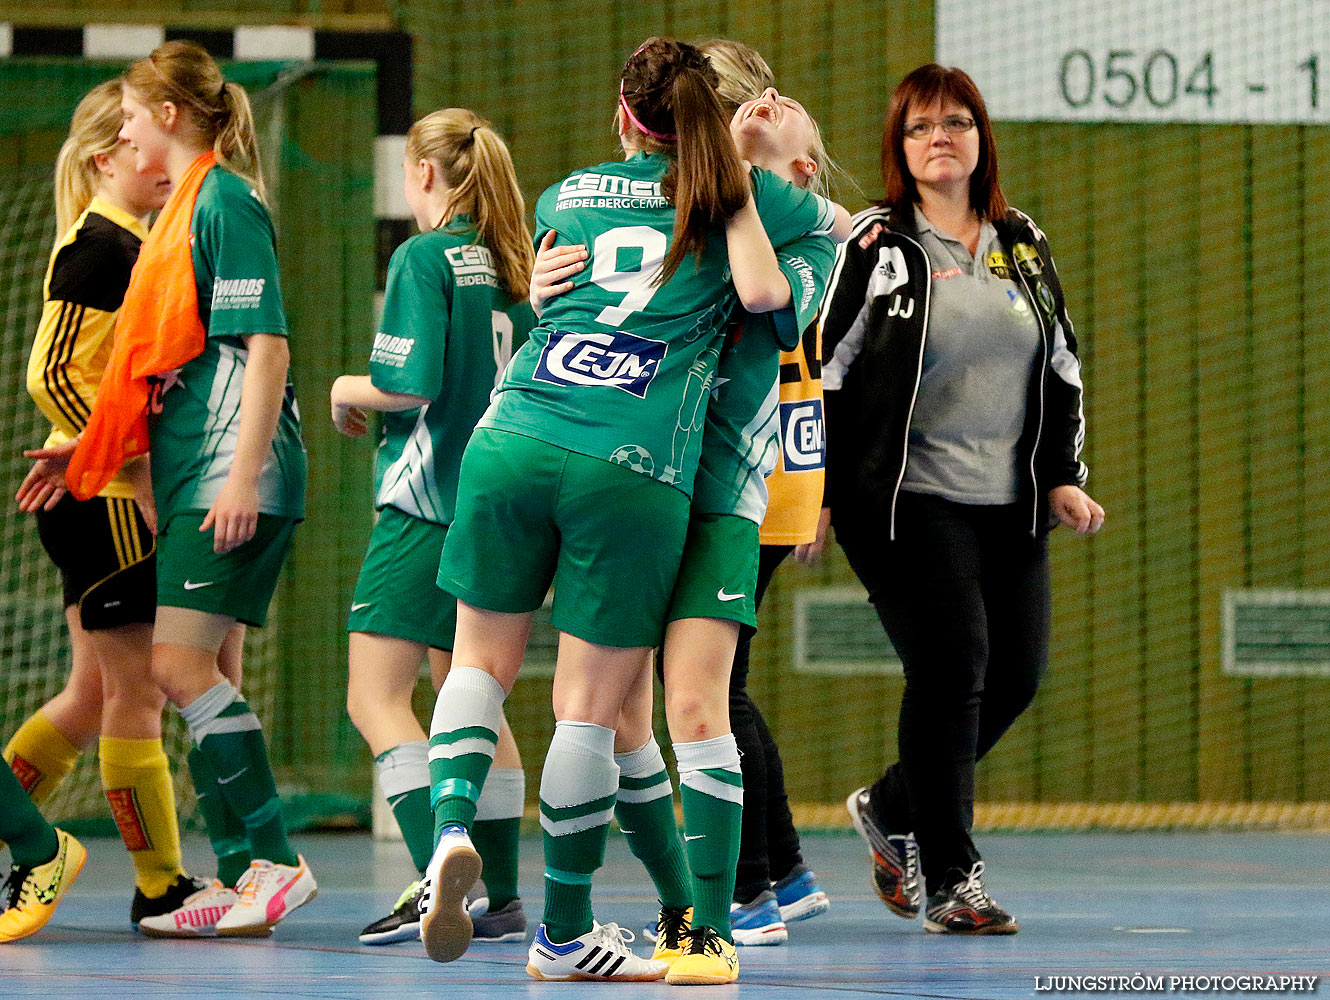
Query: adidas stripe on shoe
x: 601, y: 954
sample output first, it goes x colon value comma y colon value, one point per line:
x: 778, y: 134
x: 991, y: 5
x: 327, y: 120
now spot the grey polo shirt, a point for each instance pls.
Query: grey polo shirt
x: 980, y: 352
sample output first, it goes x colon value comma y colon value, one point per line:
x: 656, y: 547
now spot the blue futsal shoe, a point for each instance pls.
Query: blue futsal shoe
x: 799, y: 896
x: 758, y: 922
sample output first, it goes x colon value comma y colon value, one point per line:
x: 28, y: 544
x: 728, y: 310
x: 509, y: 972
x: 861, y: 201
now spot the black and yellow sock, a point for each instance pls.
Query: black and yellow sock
x: 40, y: 756
x: 136, y: 777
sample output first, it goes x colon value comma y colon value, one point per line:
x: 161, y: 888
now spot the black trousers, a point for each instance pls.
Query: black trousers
x: 963, y: 594
x: 768, y: 841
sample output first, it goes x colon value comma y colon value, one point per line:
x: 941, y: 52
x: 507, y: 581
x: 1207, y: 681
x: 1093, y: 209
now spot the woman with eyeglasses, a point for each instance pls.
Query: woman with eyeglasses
x: 954, y: 433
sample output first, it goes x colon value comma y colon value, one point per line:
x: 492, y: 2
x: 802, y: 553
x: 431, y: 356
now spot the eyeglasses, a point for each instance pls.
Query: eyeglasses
x: 922, y: 128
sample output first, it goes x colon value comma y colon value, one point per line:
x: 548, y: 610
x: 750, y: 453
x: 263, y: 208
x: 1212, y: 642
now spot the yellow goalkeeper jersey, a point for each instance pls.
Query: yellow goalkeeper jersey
x: 85, y: 284
x: 795, y: 487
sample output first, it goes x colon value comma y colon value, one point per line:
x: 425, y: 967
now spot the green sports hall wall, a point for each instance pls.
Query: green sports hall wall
x: 1188, y: 254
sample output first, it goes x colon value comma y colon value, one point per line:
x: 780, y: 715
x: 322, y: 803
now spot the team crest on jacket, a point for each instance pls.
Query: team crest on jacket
x: 1027, y: 259
x: 615, y: 359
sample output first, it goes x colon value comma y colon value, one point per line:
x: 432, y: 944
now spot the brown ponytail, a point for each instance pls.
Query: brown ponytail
x: 670, y: 89
x: 476, y: 166
x: 184, y: 74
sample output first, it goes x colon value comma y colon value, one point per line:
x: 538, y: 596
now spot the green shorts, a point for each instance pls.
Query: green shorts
x: 395, y: 593
x: 530, y: 514
x: 239, y: 583
x: 718, y: 575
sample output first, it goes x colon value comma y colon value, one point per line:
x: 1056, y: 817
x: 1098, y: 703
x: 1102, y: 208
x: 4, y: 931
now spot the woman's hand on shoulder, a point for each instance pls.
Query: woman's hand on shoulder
x: 555, y: 267
x: 1075, y: 508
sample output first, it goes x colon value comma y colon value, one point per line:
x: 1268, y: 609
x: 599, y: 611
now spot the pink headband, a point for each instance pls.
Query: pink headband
x: 623, y: 103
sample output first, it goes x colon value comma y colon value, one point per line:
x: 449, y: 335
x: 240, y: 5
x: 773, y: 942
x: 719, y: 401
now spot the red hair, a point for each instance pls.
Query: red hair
x: 922, y: 88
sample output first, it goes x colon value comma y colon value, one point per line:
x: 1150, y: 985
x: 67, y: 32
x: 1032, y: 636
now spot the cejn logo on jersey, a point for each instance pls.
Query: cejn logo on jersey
x: 615, y: 359
x: 802, y: 437
x: 592, y: 190
x: 472, y: 265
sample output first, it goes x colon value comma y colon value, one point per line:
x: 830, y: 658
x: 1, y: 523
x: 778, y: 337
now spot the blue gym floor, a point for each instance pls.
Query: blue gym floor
x: 1089, y: 904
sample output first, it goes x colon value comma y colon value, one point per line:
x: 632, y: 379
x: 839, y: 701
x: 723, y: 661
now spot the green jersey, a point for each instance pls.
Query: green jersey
x: 197, y: 414
x: 448, y: 330
x: 619, y: 367
x: 740, y: 443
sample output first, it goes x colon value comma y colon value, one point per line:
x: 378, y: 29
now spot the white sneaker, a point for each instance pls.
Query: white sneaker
x: 445, y: 924
x: 268, y: 893
x: 601, y: 954
x: 196, y: 917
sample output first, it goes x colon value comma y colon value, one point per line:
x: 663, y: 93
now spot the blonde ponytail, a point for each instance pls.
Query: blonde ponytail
x: 184, y: 74
x: 93, y: 131
x: 478, y: 169
x: 237, y: 142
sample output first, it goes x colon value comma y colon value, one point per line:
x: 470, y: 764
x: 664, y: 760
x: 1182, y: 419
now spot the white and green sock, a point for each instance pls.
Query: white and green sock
x: 463, y: 737
x: 645, y: 811
x: 577, y: 792
x: 403, y: 774
x: 229, y: 735
x: 711, y: 787
x: 496, y: 830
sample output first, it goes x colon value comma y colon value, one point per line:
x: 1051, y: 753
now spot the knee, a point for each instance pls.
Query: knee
x: 363, y: 704
x: 179, y: 683
x: 134, y: 694
x: 162, y: 676
x: 693, y: 717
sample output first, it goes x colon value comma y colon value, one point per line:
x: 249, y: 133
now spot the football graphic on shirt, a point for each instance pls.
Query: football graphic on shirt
x: 636, y: 458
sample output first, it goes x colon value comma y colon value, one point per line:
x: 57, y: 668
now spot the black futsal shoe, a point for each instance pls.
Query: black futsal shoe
x: 895, y: 858
x: 403, y: 924
x: 963, y: 906
x: 180, y: 890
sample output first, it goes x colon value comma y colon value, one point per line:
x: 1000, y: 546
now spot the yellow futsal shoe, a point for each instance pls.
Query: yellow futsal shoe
x: 707, y: 960
x: 671, y: 933
x: 31, y: 895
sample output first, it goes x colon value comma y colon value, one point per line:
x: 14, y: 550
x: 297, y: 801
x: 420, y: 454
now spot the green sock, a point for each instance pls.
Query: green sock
x: 497, y: 842
x: 463, y: 737
x: 496, y: 832
x: 229, y: 735
x: 403, y: 774
x: 577, y: 791
x: 645, y: 811
x: 711, y: 787
x: 32, y: 840
x: 226, y: 833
